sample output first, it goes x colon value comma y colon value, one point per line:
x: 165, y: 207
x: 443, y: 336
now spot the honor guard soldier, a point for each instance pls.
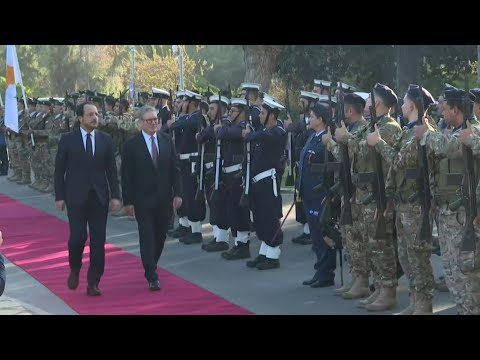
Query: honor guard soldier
x: 264, y: 191
x: 188, y: 125
x: 213, y: 182
x: 252, y: 91
x: 413, y: 251
x: 301, y: 132
x: 161, y: 104
x: 460, y: 265
x: 321, y: 87
x: 233, y: 163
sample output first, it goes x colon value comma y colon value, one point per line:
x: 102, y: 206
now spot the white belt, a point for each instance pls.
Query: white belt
x: 187, y: 156
x: 230, y: 169
x: 209, y: 165
x: 193, y: 167
x: 266, y: 174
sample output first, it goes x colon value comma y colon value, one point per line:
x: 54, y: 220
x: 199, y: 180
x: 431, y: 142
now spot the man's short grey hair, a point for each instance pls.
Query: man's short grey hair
x: 146, y: 109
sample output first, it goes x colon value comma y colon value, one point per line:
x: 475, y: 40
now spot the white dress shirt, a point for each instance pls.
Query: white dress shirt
x: 84, y: 138
x: 148, y: 141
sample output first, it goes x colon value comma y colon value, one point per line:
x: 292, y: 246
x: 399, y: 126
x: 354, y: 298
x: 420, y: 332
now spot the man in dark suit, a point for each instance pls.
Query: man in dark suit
x: 150, y: 183
x: 3, y: 277
x: 85, y: 178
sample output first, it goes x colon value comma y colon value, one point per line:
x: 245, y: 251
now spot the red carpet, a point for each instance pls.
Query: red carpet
x: 37, y: 242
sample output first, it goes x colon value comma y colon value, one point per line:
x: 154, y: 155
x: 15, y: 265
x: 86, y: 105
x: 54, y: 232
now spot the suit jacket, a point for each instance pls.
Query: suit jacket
x: 3, y: 277
x: 76, y: 174
x: 143, y: 184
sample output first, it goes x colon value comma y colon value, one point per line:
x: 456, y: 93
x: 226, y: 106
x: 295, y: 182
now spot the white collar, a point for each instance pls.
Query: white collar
x: 84, y: 133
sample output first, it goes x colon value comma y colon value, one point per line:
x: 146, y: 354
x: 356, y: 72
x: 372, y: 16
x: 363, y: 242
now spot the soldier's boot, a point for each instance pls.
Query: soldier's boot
x: 239, y: 251
x: 121, y: 212
x: 387, y: 299
x: 423, y: 305
x: 268, y: 264
x: 25, y: 180
x: 193, y: 238
x: 47, y: 189
x: 40, y: 184
x: 359, y: 289
x: 180, y: 232
x: 253, y: 263
x: 303, y: 239
x: 411, y: 307
x: 370, y: 299
x: 214, y: 246
x: 339, y: 291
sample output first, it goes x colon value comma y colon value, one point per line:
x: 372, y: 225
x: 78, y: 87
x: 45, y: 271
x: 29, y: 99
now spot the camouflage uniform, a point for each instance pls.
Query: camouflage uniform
x: 462, y: 270
x: 23, y: 150
x: 414, y: 256
x: 53, y: 129
x: 40, y: 156
x: 382, y: 251
x: 355, y: 236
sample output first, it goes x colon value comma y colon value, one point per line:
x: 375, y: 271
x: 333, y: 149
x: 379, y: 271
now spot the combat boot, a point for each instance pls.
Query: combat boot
x: 411, y: 307
x: 370, y: 299
x: 387, y: 299
x: 180, y: 232
x: 239, y: 251
x: 423, y: 305
x: 268, y: 264
x: 339, y: 291
x: 359, y: 289
x: 193, y: 238
x: 253, y: 263
x: 303, y: 239
x: 214, y: 246
x: 17, y: 176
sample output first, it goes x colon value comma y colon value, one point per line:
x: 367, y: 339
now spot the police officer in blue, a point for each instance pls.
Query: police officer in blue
x: 264, y: 192
x: 252, y: 92
x: 217, y: 115
x: 309, y: 177
x: 188, y: 126
x: 233, y: 161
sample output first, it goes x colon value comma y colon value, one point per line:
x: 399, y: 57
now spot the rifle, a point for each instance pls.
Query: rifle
x: 378, y: 184
x: 200, y: 195
x: 218, y: 150
x: 244, y: 200
x: 423, y: 182
x: 290, y: 181
x: 345, y: 173
x: 469, y: 184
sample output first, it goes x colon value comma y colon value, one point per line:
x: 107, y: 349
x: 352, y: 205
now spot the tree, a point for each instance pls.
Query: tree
x: 261, y: 62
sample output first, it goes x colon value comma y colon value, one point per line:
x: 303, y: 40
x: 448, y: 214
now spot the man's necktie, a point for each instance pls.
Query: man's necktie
x: 154, y: 152
x: 89, y: 146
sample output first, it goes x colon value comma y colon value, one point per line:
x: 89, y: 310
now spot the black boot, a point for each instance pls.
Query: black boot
x: 214, y: 246
x: 268, y: 264
x: 193, y: 238
x: 253, y: 263
x: 303, y: 239
x: 180, y: 232
x: 239, y: 251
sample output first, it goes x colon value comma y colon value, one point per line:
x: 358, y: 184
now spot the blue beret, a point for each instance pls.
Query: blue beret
x: 354, y: 99
x: 413, y: 93
x: 476, y: 93
x: 386, y: 94
x: 458, y: 94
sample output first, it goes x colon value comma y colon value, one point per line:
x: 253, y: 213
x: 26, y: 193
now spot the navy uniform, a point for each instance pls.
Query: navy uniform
x: 183, y: 228
x: 188, y: 148
x: 314, y: 153
x: 163, y: 111
x: 216, y: 199
x: 233, y: 164
x: 264, y: 190
x: 321, y: 87
x: 300, y: 134
x: 253, y: 90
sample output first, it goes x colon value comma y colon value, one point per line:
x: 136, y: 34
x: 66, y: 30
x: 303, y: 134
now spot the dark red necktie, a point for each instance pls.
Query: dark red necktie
x: 154, y: 152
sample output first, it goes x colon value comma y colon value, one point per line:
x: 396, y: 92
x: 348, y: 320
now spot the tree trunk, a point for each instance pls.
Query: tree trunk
x: 261, y: 63
x: 408, y: 66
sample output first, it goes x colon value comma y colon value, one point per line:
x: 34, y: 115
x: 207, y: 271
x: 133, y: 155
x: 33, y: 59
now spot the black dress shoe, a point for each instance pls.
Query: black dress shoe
x: 72, y: 281
x: 253, y: 263
x: 93, y: 290
x: 322, y: 283
x: 154, y: 285
x: 309, y: 282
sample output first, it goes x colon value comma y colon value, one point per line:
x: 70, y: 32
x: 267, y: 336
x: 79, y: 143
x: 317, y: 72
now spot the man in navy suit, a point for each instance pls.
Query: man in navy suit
x: 85, y: 180
x: 151, y: 185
